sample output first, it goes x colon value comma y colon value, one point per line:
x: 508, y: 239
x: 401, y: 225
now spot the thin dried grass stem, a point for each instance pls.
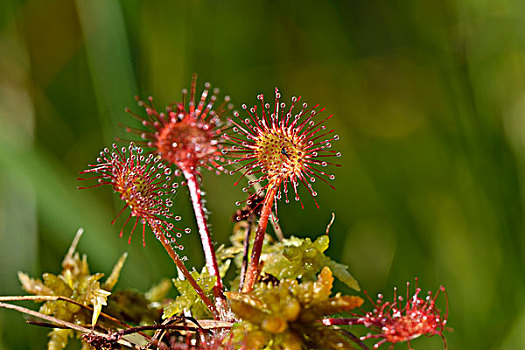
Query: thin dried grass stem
x: 56, y: 298
x: 64, y: 324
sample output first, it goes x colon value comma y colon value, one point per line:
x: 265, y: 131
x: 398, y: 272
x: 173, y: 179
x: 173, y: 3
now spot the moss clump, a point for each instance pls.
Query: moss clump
x: 286, y: 315
x: 76, y: 283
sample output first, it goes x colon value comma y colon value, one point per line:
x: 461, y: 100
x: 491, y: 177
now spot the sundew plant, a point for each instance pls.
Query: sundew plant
x: 265, y: 289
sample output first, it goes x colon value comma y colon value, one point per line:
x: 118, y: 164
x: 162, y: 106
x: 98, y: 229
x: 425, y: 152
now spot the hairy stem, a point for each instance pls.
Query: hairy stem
x: 273, y: 220
x: 178, y: 262
x: 204, y: 232
x: 253, y: 268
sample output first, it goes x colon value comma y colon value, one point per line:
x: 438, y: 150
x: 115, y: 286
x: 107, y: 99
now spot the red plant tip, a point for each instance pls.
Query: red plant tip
x: 187, y: 136
x: 143, y: 183
x: 282, y: 146
x: 402, y: 320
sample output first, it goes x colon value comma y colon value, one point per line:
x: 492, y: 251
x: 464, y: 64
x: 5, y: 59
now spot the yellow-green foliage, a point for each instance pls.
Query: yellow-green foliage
x: 77, y: 283
x: 301, y: 258
x: 289, y: 258
x: 286, y: 316
x: 188, y: 300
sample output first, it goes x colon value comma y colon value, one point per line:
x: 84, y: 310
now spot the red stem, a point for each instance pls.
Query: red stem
x: 175, y: 257
x: 204, y: 232
x: 253, y: 267
x: 341, y: 321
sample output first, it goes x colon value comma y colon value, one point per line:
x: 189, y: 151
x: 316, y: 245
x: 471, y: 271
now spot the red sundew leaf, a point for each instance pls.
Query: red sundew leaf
x: 143, y: 183
x: 282, y: 147
x: 186, y: 136
x: 404, y: 318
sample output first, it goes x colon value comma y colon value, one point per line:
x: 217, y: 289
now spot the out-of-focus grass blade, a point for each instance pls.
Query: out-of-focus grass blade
x: 109, y: 59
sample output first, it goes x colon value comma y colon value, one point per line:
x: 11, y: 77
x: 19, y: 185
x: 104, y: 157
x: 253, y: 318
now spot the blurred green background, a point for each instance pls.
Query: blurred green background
x: 428, y: 98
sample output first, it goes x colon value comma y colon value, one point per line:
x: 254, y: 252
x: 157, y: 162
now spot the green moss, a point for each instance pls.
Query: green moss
x: 301, y: 258
x: 286, y: 315
x: 77, y: 283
